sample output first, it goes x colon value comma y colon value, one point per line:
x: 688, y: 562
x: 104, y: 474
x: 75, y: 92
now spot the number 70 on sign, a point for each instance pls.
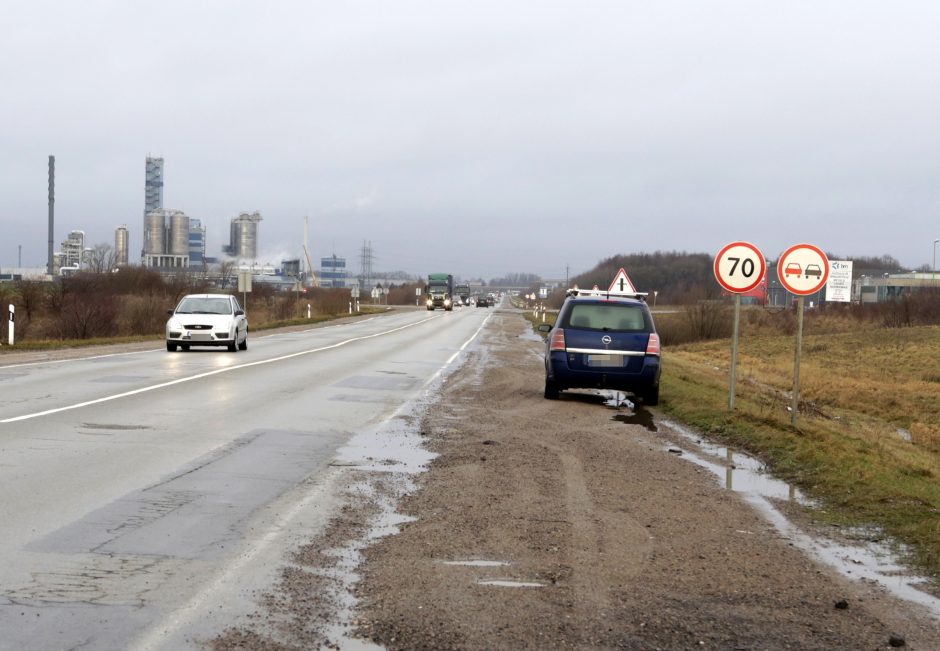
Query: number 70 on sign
x: 739, y: 267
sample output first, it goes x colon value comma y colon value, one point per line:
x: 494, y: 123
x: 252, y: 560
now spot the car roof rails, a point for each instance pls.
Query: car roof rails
x: 600, y: 293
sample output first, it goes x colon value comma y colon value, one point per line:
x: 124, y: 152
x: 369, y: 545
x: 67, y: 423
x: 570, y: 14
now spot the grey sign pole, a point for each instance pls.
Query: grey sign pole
x: 795, y: 404
x: 734, y: 350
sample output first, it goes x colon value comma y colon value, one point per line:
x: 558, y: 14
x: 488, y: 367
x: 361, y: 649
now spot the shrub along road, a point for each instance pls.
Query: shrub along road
x: 630, y: 546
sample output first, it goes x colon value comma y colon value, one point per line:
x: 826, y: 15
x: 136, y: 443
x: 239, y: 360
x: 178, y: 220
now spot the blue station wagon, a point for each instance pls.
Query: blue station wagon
x: 603, y: 341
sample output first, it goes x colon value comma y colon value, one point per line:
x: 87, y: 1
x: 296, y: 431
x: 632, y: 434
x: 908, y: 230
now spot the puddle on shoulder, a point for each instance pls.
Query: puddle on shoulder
x: 637, y: 415
x: 870, y: 561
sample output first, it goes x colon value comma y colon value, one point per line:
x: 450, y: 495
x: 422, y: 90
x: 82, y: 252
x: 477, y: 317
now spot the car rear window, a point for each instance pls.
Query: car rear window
x: 608, y: 316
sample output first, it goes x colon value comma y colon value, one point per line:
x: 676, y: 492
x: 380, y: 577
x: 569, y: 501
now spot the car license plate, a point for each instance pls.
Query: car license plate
x: 605, y: 360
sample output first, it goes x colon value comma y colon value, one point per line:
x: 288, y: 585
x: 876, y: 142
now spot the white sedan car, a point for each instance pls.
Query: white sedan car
x: 207, y: 320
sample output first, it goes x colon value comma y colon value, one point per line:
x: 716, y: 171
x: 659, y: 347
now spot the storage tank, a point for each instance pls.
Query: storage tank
x: 178, y: 240
x: 121, y: 243
x: 155, y: 233
x: 244, y: 236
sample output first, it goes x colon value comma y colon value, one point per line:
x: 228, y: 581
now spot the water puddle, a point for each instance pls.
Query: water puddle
x: 503, y: 583
x: 395, y: 447
x: 875, y: 562
x: 478, y: 563
x: 531, y: 335
x: 740, y: 473
x: 618, y: 400
x: 640, y: 417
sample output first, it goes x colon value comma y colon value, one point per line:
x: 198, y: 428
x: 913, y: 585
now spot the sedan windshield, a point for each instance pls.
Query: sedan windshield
x: 608, y: 316
x: 205, y: 306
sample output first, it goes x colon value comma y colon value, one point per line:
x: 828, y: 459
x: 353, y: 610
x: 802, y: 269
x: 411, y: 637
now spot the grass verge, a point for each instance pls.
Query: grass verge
x: 849, y: 449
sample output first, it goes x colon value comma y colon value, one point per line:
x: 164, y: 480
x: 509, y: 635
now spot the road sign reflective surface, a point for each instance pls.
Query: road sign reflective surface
x: 739, y: 267
x: 803, y: 269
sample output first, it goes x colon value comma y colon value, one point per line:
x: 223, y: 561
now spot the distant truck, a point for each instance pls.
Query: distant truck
x: 463, y: 293
x: 440, y: 291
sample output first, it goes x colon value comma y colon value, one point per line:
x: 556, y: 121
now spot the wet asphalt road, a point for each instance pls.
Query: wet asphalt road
x: 148, y: 496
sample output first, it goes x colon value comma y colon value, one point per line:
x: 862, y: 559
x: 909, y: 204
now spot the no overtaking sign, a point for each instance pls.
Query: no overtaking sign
x: 803, y: 269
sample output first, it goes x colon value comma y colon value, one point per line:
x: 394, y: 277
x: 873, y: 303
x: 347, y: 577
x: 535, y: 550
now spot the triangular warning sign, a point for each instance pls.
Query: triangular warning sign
x: 621, y: 284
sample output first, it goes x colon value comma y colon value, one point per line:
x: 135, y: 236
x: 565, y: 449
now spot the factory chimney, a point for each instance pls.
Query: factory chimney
x: 49, y: 264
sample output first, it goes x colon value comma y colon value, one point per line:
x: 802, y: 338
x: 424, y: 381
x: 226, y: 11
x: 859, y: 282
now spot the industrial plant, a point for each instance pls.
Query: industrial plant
x: 171, y: 242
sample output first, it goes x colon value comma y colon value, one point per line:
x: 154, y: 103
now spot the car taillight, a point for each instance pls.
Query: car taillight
x: 652, y: 348
x: 558, y: 340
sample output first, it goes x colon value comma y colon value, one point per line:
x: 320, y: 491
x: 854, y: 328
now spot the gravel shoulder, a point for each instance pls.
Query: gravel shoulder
x: 631, y: 547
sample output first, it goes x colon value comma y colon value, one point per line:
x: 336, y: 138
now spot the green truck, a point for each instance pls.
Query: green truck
x: 440, y: 291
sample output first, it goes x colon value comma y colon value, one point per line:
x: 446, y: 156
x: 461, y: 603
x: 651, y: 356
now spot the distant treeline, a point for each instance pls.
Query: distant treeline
x: 677, y: 276
x: 680, y: 277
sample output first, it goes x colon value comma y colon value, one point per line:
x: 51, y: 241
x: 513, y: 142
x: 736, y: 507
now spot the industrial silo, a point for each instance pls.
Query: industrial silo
x: 178, y: 240
x: 121, y: 243
x: 155, y: 233
x: 244, y: 236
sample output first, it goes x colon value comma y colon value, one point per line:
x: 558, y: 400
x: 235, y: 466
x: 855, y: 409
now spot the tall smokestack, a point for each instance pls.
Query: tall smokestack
x: 49, y: 263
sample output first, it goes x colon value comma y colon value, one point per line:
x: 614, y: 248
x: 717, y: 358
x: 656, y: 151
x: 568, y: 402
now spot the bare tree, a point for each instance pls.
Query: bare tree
x: 227, y: 270
x: 101, y: 259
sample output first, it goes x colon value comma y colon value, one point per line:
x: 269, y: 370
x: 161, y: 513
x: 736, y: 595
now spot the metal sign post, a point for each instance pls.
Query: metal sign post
x: 795, y: 400
x: 244, y: 286
x: 734, y: 351
x: 803, y: 269
x: 739, y: 267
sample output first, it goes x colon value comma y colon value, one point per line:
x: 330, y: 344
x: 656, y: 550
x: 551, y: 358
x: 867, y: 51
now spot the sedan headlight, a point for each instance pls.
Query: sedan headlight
x: 174, y: 325
x: 430, y: 301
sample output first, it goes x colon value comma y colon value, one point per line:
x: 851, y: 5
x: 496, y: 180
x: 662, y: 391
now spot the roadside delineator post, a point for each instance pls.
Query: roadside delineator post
x: 12, y: 318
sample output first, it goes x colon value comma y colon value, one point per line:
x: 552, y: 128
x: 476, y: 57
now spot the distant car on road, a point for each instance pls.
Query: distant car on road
x: 207, y: 320
x: 813, y: 270
x: 481, y: 301
x: 792, y: 269
x: 603, y: 341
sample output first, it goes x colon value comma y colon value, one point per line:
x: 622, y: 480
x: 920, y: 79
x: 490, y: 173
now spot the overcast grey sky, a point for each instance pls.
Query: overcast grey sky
x: 479, y: 137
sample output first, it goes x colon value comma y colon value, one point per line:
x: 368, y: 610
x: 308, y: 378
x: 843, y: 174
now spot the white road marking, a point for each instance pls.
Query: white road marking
x: 199, y: 376
x: 79, y: 359
x: 450, y: 359
x: 157, y: 350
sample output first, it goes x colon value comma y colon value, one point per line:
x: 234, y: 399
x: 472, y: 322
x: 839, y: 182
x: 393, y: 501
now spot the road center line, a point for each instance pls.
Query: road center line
x: 210, y: 373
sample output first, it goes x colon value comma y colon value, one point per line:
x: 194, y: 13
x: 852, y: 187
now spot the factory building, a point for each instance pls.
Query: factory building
x: 197, y: 244
x: 72, y: 252
x: 153, y: 185
x: 333, y: 272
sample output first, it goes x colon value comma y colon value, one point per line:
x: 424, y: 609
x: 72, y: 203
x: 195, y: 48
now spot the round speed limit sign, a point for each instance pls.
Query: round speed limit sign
x: 739, y: 267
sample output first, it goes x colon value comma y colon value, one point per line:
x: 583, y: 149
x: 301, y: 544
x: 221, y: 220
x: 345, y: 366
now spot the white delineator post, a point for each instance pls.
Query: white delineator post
x: 12, y: 313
